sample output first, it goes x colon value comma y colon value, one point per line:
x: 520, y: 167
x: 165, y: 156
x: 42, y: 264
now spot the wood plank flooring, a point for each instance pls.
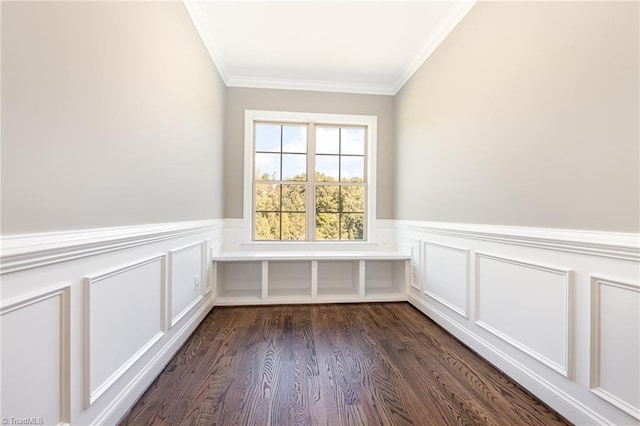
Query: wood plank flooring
x: 351, y: 364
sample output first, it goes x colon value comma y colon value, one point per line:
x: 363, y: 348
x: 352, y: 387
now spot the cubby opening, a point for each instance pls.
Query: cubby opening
x: 338, y: 278
x: 384, y: 277
x: 289, y: 279
x: 239, y: 279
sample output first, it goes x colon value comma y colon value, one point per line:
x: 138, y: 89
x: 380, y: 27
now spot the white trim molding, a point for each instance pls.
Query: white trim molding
x: 172, y: 253
x: 309, y: 85
x: 368, y: 121
x: 566, y: 367
x: 64, y: 292
x: 26, y: 251
x: 416, y: 262
x: 616, y: 245
x: 199, y: 21
x: 531, y: 380
x: 464, y: 310
x: 127, y: 305
x: 595, y: 361
x: 458, y: 12
x: 123, y: 402
x: 90, y: 396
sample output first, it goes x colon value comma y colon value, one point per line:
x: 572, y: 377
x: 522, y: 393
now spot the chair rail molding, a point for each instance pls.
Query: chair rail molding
x: 617, y: 245
x: 25, y: 251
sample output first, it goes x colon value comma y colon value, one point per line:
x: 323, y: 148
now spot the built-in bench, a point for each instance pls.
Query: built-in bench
x: 273, y: 277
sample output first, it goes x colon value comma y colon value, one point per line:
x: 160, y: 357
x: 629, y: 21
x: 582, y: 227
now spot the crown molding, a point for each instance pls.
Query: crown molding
x: 197, y: 16
x: 458, y: 12
x: 315, y: 86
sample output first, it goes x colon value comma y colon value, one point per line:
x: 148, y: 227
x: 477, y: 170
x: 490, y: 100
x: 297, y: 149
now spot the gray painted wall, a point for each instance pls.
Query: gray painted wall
x: 526, y: 115
x: 112, y: 115
x: 241, y: 99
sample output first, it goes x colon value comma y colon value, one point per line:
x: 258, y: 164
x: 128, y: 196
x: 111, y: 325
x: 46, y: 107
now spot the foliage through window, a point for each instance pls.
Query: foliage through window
x: 309, y: 181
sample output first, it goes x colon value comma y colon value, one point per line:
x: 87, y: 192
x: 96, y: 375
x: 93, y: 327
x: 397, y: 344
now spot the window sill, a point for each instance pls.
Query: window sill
x: 309, y: 246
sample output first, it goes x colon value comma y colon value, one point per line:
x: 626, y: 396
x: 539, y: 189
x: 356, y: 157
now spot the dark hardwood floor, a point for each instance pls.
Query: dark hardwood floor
x: 350, y: 364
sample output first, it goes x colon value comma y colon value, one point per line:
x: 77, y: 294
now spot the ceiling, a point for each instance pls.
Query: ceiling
x: 340, y: 46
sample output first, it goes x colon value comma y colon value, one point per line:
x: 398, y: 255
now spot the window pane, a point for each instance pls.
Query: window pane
x: 267, y: 197
x: 267, y: 226
x: 267, y: 137
x: 352, y: 199
x: 294, y: 198
x: 327, y: 198
x: 327, y: 140
x: 293, y: 226
x: 294, y: 167
x: 352, y: 169
x: 267, y: 166
x: 327, y: 226
x: 294, y: 139
x: 327, y: 168
x: 352, y: 226
x: 352, y: 141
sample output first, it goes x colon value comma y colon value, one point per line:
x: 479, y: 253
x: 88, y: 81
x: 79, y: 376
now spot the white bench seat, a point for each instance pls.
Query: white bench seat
x: 275, y: 277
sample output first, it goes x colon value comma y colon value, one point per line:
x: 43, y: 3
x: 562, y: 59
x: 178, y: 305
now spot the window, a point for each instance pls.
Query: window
x: 312, y: 176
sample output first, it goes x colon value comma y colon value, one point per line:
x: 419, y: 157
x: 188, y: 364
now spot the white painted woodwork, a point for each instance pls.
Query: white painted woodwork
x: 35, y: 357
x: 557, y: 310
x: 84, y: 351
x: 119, y: 329
x: 531, y: 311
x: 447, y: 276
x: 370, y: 122
x: 234, y: 256
x: 186, y: 279
x: 239, y: 280
x: 416, y: 278
x: 28, y: 251
x: 291, y: 277
x: 539, y: 299
x: 615, y: 337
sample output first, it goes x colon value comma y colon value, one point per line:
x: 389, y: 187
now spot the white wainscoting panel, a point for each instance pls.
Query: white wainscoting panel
x: 615, y: 342
x: 35, y: 356
x: 544, y: 308
x: 529, y: 306
x: 84, y: 351
x: 186, y: 278
x: 446, y: 276
x: 124, y: 318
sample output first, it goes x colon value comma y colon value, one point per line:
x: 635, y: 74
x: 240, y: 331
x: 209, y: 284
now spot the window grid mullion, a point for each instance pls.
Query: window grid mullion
x: 280, y: 186
x: 311, y: 182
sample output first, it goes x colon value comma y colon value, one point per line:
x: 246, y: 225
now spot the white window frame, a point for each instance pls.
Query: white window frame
x: 368, y: 121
